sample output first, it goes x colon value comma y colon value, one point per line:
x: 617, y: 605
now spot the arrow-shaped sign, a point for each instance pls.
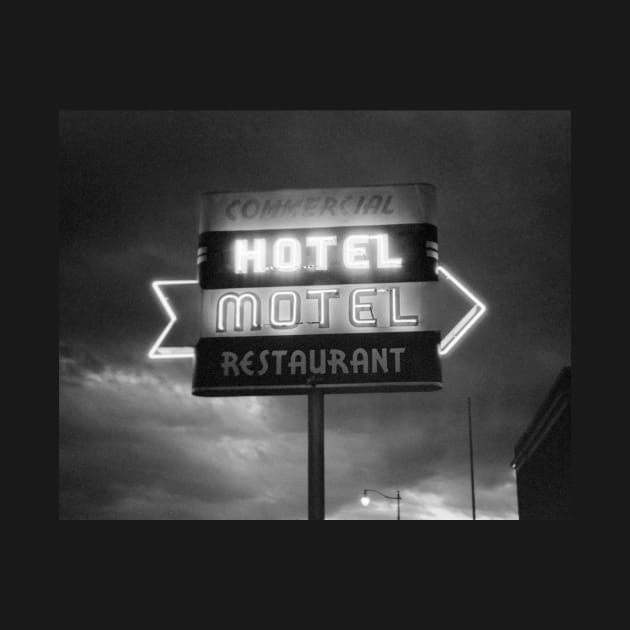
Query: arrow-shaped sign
x: 158, y: 351
x: 449, y: 341
x: 456, y: 334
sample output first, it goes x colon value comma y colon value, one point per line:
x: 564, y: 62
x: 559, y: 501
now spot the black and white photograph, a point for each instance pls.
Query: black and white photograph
x: 314, y: 314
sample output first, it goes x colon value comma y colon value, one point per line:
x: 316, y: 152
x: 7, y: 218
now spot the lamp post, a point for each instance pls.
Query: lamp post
x: 365, y: 500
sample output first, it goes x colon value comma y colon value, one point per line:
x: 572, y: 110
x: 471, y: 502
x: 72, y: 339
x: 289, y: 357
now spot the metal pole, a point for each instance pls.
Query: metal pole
x: 472, y: 469
x: 398, y: 499
x: 316, y: 501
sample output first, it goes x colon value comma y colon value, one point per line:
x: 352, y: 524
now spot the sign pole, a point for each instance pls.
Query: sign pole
x: 316, y: 500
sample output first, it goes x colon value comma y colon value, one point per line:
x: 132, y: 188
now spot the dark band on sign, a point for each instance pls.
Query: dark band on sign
x: 233, y: 259
x: 383, y: 362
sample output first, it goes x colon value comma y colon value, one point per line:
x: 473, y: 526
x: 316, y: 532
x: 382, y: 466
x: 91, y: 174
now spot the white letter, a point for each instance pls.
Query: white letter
x: 239, y: 310
x: 242, y: 255
x: 278, y: 354
x: 280, y: 248
x: 382, y: 253
x: 294, y: 309
x: 298, y: 359
x: 245, y: 362
x: 397, y: 352
x: 321, y: 369
x: 321, y: 244
x: 380, y: 358
x: 359, y: 362
x: 355, y: 257
x: 263, y: 361
x: 229, y: 363
x: 323, y: 306
x: 336, y: 360
x: 395, y: 318
x: 356, y: 308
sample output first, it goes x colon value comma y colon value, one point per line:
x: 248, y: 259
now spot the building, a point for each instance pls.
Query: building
x: 542, y: 457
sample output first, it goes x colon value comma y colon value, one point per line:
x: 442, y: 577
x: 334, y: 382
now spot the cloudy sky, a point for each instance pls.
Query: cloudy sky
x: 135, y: 444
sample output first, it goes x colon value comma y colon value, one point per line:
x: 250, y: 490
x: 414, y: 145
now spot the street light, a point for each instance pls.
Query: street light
x: 365, y: 500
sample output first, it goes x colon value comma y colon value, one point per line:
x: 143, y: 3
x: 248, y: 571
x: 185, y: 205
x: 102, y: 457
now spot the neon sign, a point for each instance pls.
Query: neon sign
x: 157, y: 351
x: 288, y: 253
x: 340, y: 285
x: 448, y: 342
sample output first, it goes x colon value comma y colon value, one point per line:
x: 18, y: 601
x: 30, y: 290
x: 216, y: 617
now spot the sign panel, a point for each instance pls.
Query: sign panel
x: 335, y: 287
x: 314, y: 208
x: 384, y: 362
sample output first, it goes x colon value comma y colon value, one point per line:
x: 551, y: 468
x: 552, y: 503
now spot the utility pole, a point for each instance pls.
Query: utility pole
x: 316, y: 497
x: 472, y: 468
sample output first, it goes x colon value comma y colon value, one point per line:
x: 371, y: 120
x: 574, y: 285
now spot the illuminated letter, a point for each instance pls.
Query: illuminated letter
x: 383, y: 261
x: 321, y: 244
x: 323, y: 306
x: 355, y: 257
x: 356, y: 308
x: 229, y: 363
x: 359, y: 362
x: 298, y: 359
x: 397, y: 352
x: 336, y: 360
x: 242, y: 255
x: 239, y: 310
x: 280, y: 248
x: 395, y: 318
x: 294, y: 309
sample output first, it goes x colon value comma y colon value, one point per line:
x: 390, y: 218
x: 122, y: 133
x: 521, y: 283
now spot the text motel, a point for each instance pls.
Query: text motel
x: 320, y: 307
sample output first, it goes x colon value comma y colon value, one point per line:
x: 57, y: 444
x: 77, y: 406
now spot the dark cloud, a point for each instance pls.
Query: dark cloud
x: 127, y: 435
x: 135, y: 443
